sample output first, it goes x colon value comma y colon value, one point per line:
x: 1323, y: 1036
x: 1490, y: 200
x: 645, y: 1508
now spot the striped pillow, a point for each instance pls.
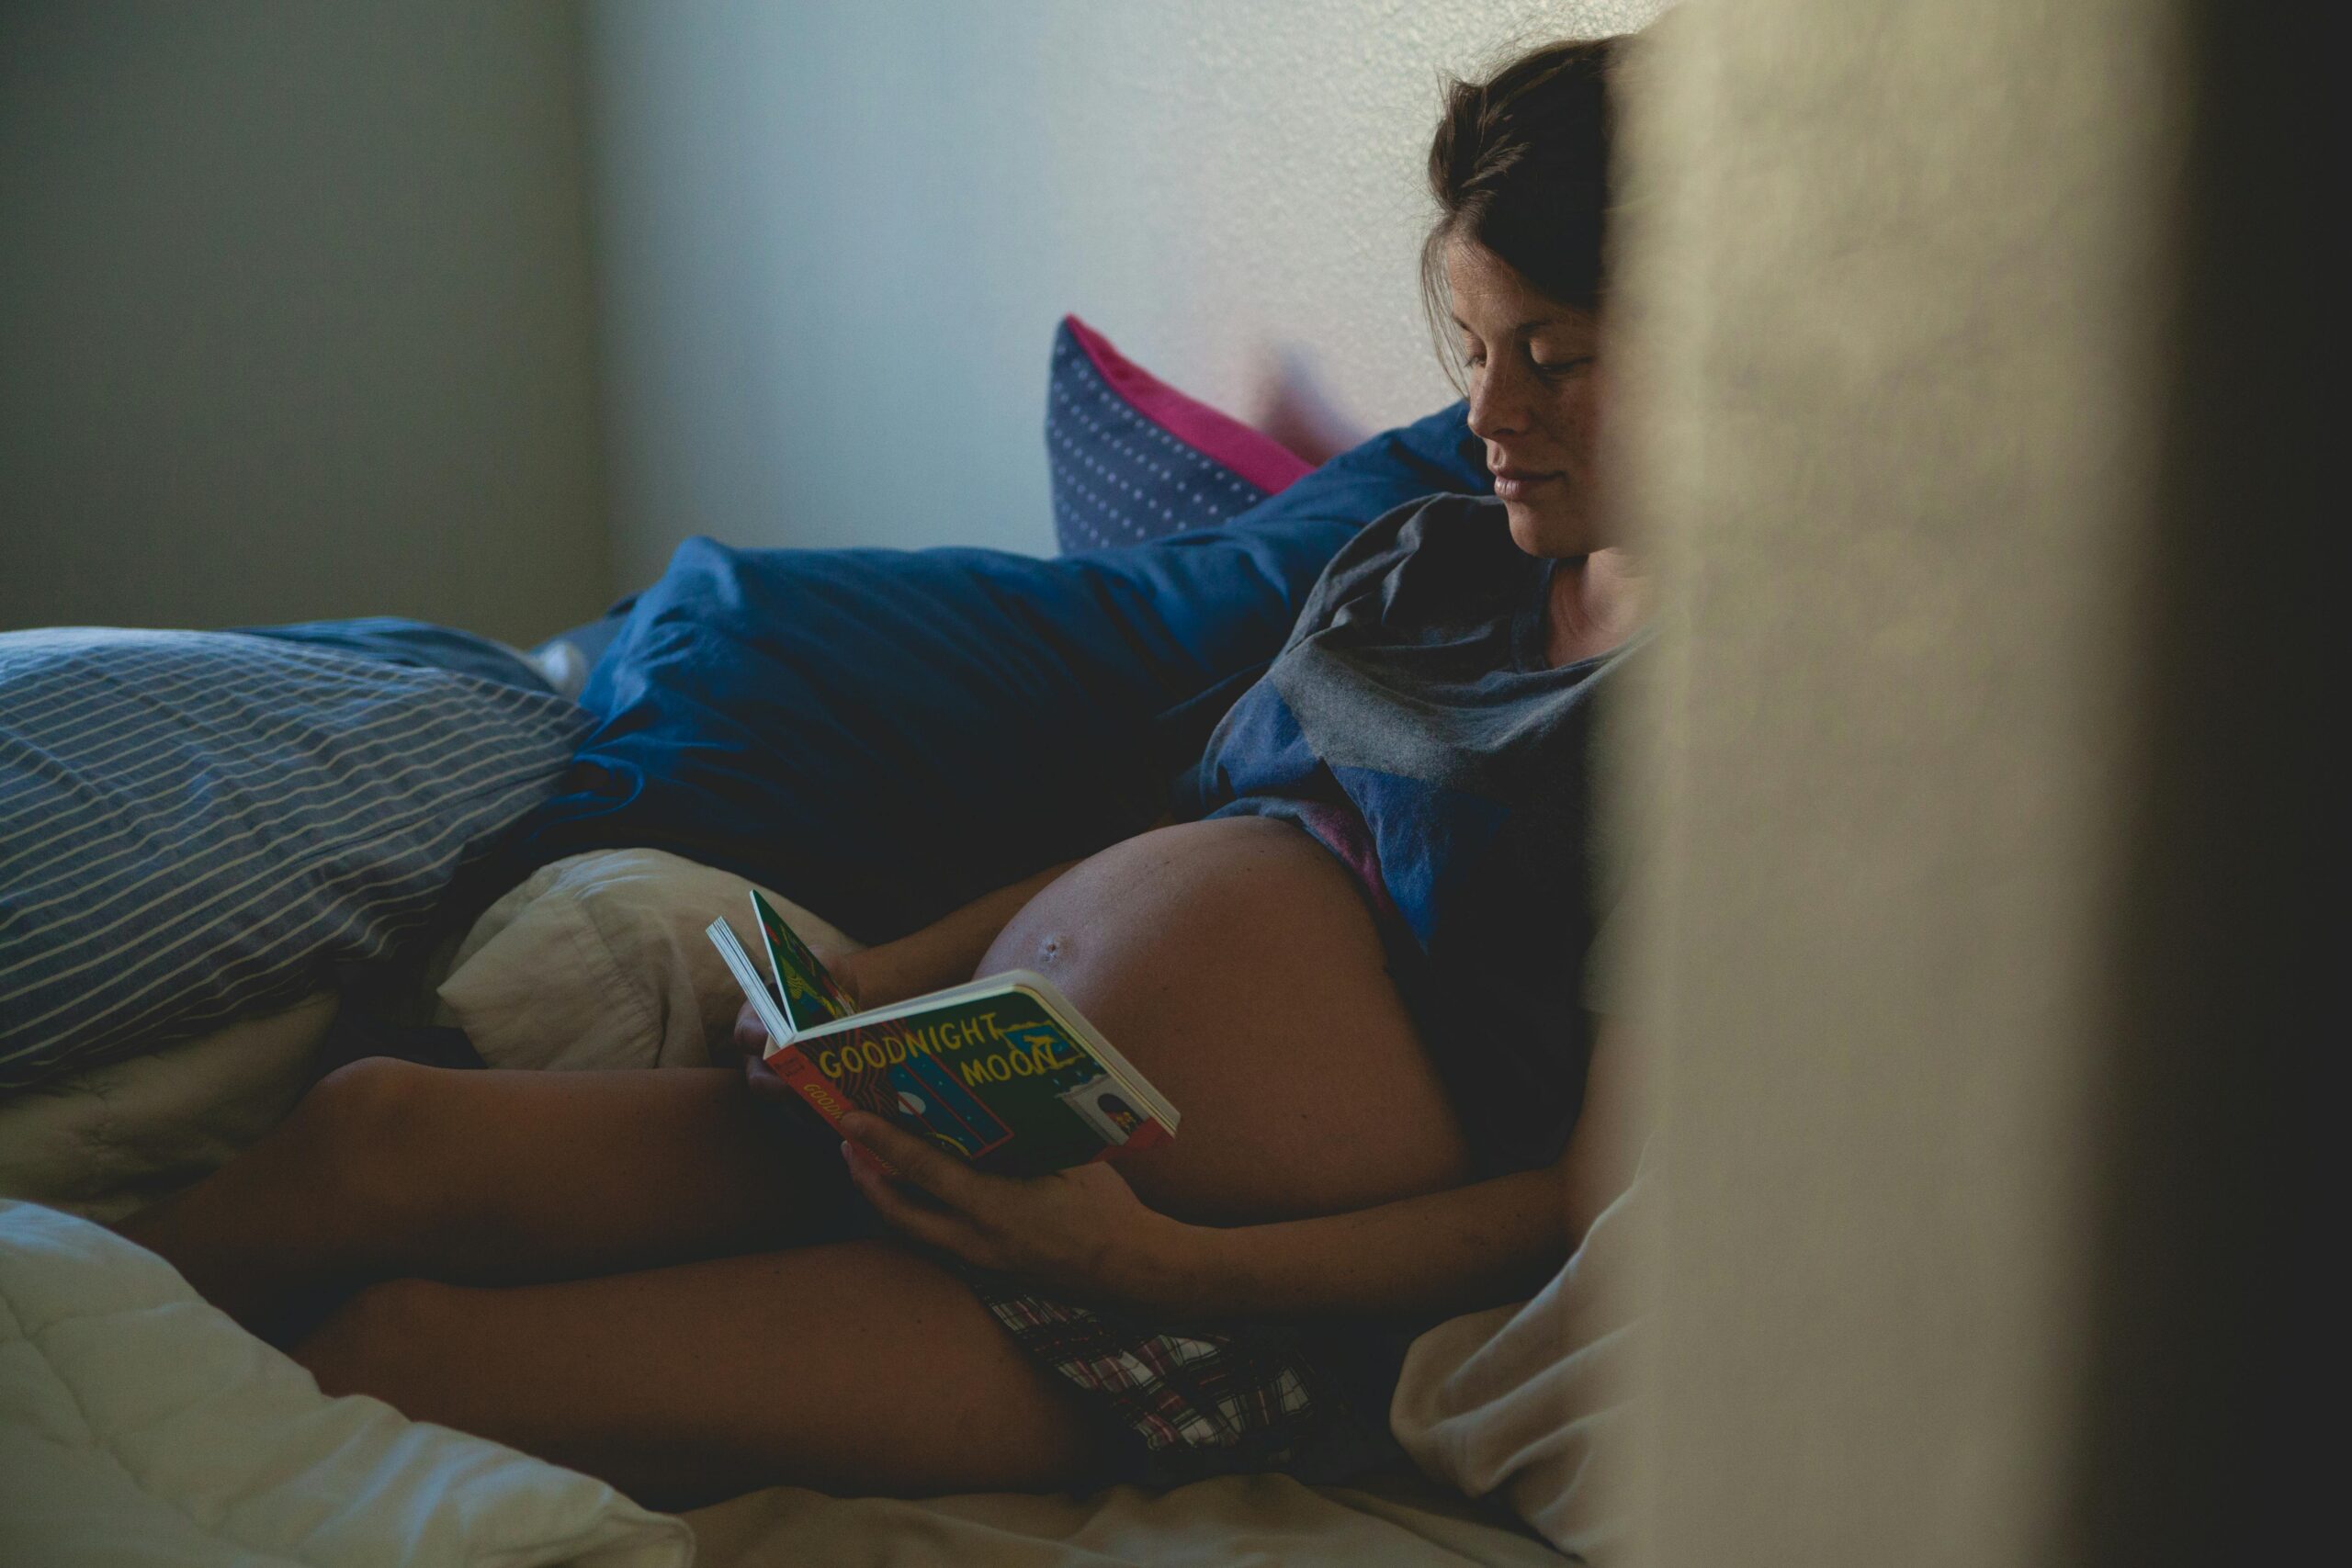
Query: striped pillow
x: 197, y: 825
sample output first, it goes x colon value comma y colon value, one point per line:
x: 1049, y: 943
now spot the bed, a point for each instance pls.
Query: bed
x: 137, y: 1424
x: 520, y: 875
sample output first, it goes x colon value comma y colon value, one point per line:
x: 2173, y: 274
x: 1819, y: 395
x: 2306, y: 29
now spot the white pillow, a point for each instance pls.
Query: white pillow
x: 599, y: 961
x: 140, y: 1424
x: 1532, y: 1399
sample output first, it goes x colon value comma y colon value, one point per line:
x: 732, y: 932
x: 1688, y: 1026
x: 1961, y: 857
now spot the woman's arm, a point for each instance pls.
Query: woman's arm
x: 1453, y: 1251
x: 1084, y: 1230
x: 942, y: 954
x: 1444, y: 1252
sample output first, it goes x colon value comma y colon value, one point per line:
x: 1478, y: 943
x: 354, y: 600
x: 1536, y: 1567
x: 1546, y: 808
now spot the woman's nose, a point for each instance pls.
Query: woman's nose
x: 1498, y: 404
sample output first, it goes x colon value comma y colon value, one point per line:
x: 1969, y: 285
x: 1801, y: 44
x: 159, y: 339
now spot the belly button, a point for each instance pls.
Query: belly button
x: 1049, y: 950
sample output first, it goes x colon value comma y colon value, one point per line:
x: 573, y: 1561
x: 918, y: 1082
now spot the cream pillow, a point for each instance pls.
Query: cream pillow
x: 599, y: 960
x: 107, y: 1139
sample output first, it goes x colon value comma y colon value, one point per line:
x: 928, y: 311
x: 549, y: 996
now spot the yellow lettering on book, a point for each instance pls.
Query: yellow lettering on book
x: 985, y: 1069
x: 816, y: 1091
x: 949, y: 1034
x: 887, y: 1050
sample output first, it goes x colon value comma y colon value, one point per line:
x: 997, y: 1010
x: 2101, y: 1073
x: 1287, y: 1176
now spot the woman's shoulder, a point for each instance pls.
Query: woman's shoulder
x: 1436, y: 536
x: 1443, y: 557
x: 1445, y: 522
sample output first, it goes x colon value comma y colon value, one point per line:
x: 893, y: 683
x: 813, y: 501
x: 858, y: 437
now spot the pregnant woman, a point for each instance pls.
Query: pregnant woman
x: 1356, y: 970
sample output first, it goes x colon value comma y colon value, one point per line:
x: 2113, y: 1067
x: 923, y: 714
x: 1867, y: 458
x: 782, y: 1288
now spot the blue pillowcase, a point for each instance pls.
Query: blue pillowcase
x: 197, y: 825
x: 886, y: 734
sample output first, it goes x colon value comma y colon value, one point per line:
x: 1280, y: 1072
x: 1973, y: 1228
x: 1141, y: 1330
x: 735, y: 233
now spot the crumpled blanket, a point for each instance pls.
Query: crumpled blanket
x: 139, y: 1424
x: 1534, y: 1403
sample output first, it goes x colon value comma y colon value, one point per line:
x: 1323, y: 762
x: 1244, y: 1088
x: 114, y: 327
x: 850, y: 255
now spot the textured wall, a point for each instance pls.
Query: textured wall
x: 295, y: 316
x: 835, y: 237
x: 1908, y: 320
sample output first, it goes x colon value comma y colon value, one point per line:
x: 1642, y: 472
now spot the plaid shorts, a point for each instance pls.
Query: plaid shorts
x: 1184, y: 1403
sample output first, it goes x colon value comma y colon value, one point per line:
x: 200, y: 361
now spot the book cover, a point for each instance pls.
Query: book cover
x: 1004, y: 1071
x: 996, y: 1071
x: 810, y: 994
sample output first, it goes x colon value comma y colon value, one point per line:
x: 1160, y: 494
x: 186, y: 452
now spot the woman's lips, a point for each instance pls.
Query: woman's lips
x: 1512, y: 484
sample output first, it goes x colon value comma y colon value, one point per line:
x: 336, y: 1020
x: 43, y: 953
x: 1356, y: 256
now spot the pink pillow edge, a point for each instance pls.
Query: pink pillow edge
x: 1221, y: 438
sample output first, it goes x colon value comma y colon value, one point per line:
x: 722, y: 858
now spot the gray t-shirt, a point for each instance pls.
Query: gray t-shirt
x: 1412, y: 726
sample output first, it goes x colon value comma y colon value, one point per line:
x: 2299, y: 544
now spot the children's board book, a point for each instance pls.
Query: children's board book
x: 1003, y: 1071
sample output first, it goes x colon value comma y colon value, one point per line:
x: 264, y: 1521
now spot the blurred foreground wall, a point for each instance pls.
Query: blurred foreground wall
x: 1981, y: 437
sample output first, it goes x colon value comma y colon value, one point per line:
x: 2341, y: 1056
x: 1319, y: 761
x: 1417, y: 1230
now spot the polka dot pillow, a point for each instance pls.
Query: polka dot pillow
x: 1133, y: 458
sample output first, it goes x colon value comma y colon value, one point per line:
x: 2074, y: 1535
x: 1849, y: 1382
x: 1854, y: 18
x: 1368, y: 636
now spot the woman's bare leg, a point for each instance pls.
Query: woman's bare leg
x: 387, y: 1169
x: 854, y: 1368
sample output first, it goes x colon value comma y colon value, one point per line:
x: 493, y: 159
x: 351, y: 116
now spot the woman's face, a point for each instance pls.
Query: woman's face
x: 1534, y: 399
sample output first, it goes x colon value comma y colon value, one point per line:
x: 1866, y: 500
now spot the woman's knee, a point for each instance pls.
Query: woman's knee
x: 380, y: 1132
x: 385, y: 1341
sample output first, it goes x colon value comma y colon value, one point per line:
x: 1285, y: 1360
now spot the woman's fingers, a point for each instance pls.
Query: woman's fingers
x: 941, y: 1228
x: 914, y: 1160
x: 762, y: 1079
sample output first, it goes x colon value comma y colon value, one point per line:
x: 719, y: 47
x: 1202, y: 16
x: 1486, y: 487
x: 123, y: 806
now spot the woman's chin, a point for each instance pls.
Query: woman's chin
x: 1550, y: 530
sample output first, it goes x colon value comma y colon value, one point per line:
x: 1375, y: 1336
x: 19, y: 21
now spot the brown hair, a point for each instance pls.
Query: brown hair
x: 1520, y: 165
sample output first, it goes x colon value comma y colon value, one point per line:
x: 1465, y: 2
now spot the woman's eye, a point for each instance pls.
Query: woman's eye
x: 1558, y: 367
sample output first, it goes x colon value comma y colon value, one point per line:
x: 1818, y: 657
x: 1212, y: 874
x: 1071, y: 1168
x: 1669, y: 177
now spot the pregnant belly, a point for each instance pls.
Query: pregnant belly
x: 1235, y: 964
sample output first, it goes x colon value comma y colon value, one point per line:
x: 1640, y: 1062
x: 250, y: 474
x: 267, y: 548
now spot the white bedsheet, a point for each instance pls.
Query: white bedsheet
x: 1234, y: 1521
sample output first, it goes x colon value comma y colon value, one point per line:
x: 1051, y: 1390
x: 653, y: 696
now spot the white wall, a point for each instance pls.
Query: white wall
x: 295, y: 315
x: 835, y: 237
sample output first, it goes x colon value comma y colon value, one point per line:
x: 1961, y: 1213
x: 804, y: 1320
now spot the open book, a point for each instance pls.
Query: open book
x: 1003, y: 1071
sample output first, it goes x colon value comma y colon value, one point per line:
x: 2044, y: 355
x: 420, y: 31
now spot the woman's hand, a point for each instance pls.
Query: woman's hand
x: 751, y: 1034
x: 1082, y: 1230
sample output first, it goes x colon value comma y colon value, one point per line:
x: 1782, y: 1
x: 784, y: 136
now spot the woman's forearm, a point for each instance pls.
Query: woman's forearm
x: 1454, y: 1251
x: 1448, y: 1252
x: 944, y: 952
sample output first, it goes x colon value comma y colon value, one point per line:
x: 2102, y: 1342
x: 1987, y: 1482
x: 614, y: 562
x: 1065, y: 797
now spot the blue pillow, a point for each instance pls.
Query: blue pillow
x: 197, y: 825
x: 886, y: 734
